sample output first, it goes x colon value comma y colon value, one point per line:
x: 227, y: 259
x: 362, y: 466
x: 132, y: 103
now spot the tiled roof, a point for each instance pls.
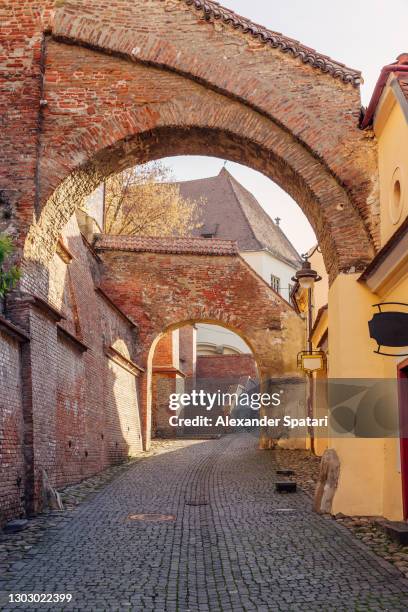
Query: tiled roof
x: 397, y: 71
x: 147, y: 244
x: 236, y: 215
x: 214, y: 11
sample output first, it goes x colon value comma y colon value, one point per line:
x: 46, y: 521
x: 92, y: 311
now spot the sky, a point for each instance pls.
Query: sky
x: 364, y: 34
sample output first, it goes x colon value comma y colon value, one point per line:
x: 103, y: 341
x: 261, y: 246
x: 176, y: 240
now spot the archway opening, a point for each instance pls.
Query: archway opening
x: 198, y: 384
x: 318, y: 194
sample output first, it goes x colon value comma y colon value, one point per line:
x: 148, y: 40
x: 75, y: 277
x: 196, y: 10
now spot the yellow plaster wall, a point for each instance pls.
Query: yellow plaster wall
x: 392, y: 474
x: 320, y: 406
x: 370, y: 482
x: 392, y: 154
x: 370, y: 479
x: 319, y: 299
x: 391, y: 129
x: 320, y: 289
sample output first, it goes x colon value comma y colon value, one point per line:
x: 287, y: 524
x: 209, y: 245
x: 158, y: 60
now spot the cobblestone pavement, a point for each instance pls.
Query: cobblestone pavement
x: 235, y: 544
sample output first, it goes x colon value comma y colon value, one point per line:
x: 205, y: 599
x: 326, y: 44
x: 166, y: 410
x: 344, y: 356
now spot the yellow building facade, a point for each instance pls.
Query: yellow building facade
x: 373, y: 471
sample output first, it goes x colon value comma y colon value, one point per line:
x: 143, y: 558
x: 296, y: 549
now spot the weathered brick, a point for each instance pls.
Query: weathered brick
x: 226, y: 367
x: 159, y: 79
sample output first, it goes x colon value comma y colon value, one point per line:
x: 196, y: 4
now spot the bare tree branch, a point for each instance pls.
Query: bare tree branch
x: 140, y: 202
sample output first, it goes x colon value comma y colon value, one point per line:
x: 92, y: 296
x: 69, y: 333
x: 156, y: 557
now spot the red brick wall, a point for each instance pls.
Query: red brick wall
x: 95, y: 103
x: 163, y: 385
x: 226, y: 366
x: 162, y: 290
x: 123, y: 423
x: 163, y: 354
x: 216, y: 128
x: 97, y: 404
x: 81, y: 408
x: 21, y: 40
x: 176, y: 35
x: 188, y: 357
x: 11, y: 430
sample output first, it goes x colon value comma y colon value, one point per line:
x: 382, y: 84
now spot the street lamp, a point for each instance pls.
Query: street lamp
x: 310, y: 361
x: 306, y: 277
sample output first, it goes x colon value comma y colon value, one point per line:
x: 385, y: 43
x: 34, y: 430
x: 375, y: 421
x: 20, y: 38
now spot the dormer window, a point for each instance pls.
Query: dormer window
x: 209, y: 230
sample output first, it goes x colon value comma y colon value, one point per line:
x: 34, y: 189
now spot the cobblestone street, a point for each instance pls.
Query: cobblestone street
x: 234, y: 543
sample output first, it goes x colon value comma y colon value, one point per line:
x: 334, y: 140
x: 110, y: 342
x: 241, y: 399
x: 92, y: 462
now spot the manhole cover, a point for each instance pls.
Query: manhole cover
x: 152, y: 518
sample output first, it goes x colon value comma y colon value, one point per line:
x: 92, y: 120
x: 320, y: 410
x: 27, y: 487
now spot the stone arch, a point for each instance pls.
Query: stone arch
x: 220, y: 321
x: 293, y: 115
x: 162, y: 283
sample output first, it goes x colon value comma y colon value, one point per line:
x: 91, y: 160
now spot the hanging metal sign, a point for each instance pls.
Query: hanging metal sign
x: 389, y: 328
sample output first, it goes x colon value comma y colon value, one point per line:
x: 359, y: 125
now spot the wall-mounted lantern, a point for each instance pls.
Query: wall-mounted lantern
x: 389, y: 328
x: 306, y: 277
x: 309, y: 361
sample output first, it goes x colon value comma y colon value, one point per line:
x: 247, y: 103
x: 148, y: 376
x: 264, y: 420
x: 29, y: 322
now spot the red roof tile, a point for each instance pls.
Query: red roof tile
x: 147, y: 244
x: 399, y: 70
x: 214, y: 11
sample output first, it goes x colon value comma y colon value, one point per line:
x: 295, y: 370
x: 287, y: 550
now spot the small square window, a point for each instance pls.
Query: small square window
x: 275, y: 283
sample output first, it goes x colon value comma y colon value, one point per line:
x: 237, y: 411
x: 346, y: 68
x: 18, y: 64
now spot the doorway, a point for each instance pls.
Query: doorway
x: 403, y: 416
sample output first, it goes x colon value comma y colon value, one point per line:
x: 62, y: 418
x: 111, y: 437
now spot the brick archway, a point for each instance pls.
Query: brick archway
x: 166, y: 283
x: 174, y: 366
x: 140, y: 80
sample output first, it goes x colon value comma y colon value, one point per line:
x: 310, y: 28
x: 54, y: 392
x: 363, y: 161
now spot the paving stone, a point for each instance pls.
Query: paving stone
x: 235, y: 553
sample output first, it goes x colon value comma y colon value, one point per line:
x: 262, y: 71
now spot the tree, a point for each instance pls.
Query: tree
x: 141, y: 202
x: 8, y: 277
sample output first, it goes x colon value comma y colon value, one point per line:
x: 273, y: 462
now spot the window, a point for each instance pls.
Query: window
x: 275, y: 283
x: 396, y: 197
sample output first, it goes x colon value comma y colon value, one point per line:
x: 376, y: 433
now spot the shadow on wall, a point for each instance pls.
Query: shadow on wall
x: 69, y: 396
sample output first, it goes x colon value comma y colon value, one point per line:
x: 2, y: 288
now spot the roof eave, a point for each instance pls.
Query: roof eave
x: 324, y: 63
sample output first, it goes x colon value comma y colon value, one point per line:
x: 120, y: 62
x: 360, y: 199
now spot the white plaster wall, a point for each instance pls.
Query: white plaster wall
x: 266, y: 264
x: 219, y: 336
